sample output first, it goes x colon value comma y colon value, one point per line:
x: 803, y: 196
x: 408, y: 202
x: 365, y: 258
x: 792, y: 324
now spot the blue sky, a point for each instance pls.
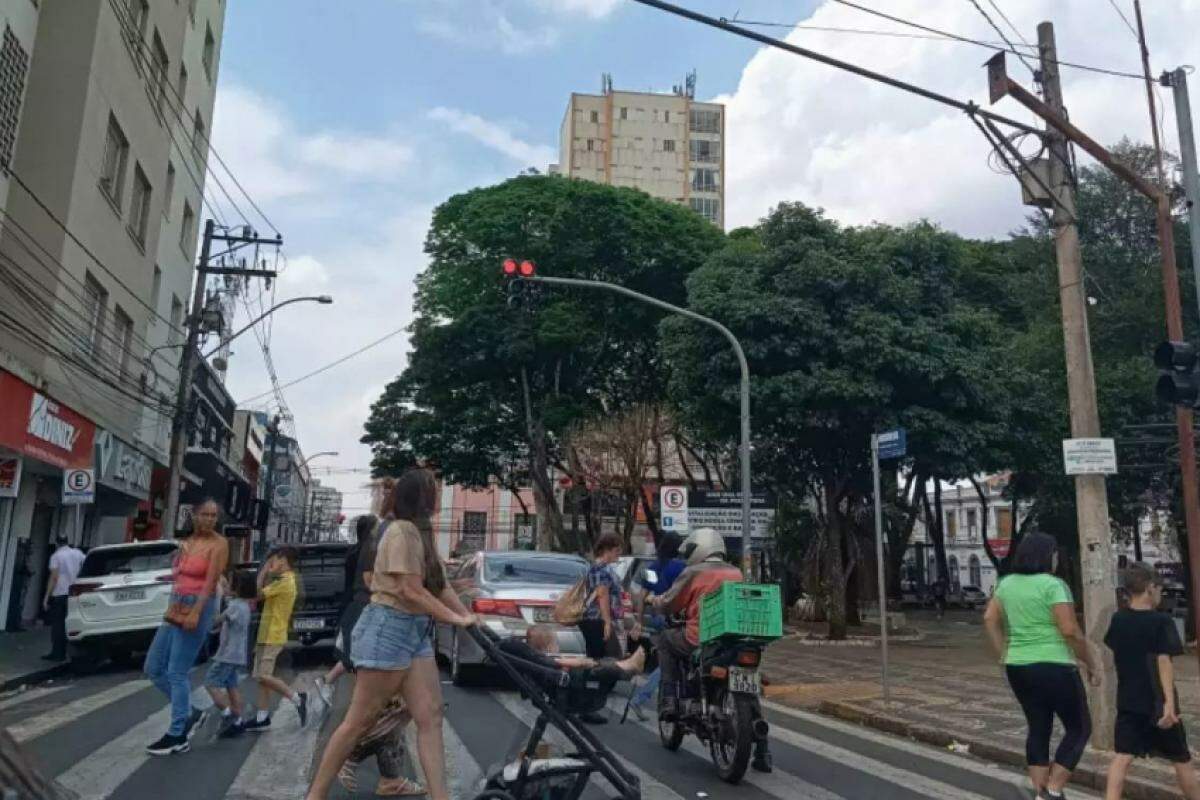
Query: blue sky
x: 348, y: 122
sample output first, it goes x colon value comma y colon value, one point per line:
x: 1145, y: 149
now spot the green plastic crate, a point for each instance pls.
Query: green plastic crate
x: 752, y: 610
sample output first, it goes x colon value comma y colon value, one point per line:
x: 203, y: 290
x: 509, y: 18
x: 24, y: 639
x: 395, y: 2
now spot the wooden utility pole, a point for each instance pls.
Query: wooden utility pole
x: 1091, y: 494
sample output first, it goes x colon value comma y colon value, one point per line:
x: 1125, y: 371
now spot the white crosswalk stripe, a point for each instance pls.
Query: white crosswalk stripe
x: 44, y: 722
x: 98, y: 776
x: 31, y: 694
x: 278, y: 767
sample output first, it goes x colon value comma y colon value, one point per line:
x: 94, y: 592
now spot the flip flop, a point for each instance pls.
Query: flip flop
x: 347, y: 776
x: 407, y: 788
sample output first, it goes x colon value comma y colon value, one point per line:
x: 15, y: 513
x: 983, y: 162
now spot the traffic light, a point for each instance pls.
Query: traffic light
x: 519, y: 290
x: 1179, y: 383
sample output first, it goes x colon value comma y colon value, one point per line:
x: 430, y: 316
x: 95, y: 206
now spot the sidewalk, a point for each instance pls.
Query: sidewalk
x: 946, y: 690
x: 21, y: 658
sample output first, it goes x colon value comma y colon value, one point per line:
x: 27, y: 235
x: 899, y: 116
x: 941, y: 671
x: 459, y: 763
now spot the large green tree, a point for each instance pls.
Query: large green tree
x: 491, y: 387
x: 850, y: 331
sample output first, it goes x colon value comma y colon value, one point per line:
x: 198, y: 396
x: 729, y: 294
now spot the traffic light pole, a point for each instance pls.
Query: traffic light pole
x: 744, y: 449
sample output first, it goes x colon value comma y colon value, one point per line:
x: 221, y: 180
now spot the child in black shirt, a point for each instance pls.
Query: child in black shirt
x: 1143, y: 640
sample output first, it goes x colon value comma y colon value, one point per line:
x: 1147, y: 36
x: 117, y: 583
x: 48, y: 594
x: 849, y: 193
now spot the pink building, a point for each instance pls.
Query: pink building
x: 484, y: 519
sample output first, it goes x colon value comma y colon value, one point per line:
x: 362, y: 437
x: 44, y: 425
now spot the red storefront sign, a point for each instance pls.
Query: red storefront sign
x: 40, y: 427
x: 1000, y: 547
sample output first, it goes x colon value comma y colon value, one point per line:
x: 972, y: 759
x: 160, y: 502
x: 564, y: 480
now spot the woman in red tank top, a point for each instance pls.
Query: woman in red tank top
x: 202, y: 559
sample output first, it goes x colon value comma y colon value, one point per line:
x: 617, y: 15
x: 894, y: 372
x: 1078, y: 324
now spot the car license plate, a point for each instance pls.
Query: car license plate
x: 543, y: 614
x: 126, y: 595
x: 308, y: 624
x: 744, y: 681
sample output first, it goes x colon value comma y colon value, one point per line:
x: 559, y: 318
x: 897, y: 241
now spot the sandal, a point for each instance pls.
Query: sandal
x: 405, y: 788
x: 348, y: 777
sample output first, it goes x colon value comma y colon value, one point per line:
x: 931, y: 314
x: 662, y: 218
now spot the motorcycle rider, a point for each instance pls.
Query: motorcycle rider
x: 707, y: 569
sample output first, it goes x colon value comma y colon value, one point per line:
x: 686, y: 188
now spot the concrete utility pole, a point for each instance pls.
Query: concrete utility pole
x: 188, y: 361
x: 1177, y: 80
x: 269, y: 478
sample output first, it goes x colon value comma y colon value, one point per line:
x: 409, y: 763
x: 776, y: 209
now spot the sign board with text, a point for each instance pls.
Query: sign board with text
x: 722, y: 511
x: 1090, y: 456
x: 673, y: 508
x: 79, y: 486
x: 892, y: 444
x: 10, y: 476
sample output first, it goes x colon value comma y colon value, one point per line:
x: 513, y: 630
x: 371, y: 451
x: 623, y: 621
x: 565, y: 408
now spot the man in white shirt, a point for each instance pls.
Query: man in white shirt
x: 64, y: 569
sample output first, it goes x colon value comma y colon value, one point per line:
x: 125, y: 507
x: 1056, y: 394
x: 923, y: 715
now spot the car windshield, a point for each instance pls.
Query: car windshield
x: 523, y: 569
x: 118, y: 560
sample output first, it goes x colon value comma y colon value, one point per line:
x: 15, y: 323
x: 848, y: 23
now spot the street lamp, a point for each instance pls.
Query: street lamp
x: 323, y: 299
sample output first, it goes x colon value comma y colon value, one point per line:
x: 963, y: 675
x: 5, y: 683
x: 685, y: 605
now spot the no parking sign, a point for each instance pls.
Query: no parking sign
x: 673, y: 508
x: 79, y: 486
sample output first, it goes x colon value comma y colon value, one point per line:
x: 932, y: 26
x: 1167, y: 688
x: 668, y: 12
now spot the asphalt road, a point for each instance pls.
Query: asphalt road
x: 90, y: 733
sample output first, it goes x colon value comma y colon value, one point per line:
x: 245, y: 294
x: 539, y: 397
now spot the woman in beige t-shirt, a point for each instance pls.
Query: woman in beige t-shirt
x: 392, y: 643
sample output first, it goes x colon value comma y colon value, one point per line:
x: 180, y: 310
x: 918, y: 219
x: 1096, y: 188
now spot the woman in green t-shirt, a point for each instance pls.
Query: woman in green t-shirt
x: 1031, y: 624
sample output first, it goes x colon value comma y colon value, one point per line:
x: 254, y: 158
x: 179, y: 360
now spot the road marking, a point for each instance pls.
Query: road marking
x: 778, y: 783
x: 465, y: 775
x: 45, y: 722
x: 972, y: 764
x: 100, y: 774
x: 652, y: 789
x: 279, y: 764
x: 31, y: 694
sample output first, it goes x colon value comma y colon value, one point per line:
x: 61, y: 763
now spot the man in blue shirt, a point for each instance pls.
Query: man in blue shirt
x: 657, y: 579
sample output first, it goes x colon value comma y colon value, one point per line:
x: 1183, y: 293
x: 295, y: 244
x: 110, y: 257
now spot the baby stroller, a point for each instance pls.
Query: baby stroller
x: 560, y: 696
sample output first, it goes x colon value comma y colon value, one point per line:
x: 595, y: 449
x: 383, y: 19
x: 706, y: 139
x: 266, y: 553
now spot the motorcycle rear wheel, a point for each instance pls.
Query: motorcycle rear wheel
x: 732, y: 756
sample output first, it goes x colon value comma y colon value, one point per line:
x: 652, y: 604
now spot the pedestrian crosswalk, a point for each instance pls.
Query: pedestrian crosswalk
x: 91, y: 736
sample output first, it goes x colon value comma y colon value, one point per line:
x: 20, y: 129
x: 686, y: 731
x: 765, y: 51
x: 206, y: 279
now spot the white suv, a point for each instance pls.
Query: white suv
x: 118, y: 601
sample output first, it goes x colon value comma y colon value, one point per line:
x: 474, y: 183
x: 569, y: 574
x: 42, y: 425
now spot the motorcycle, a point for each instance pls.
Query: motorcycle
x: 718, y: 701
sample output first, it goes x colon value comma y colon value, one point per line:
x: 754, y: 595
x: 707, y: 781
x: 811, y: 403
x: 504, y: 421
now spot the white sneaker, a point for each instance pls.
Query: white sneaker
x: 324, y: 691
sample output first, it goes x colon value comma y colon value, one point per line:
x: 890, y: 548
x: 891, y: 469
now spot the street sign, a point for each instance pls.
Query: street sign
x: 1090, y: 456
x: 673, y: 508
x: 79, y: 486
x: 892, y: 444
x: 722, y: 511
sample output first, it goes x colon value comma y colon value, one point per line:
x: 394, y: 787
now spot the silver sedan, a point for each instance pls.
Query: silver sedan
x: 509, y: 590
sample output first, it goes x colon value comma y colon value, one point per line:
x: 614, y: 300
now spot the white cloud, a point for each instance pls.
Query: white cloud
x: 593, y: 9
x: 799, y: 130
x: 358, y: 156
x: 491, y: 135
x: 511, y: 28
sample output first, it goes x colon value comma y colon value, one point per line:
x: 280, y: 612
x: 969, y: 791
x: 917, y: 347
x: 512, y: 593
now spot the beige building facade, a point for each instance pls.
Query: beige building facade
x: 667, y: 145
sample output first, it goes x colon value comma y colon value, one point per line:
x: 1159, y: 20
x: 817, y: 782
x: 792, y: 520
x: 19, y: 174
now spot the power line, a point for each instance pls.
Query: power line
x: 845, y: 66
x: 1001, y: 33
x: 1015, y: 29
x: 867, y: 32
x: 1124, y: 18
x: 333, y: 364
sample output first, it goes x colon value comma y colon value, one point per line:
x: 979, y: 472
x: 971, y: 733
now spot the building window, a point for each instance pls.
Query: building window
x: 161, y: 67
x: 702, y: 151
x: 139, y: 209
x: 175, y: 335
x: 155, y: 290
x: 624, y: 112
x: 139, y: 14
x: 972, y: 524
x: 976, y: 570
x: 116, y: 156
x: 210, y: 46
x: 591, y: 145
x: 122, y: 341
x: 187, y: 232
x: 182, y: 87
x: 96, y: 300
x: 952, y: 525
x: 668, y: 145
x: 474, y: 531
x: 199, y: 144
x: 1004, y: 523
x: 704, y: 180
x: 666, y: 116
x: 14, y: 63
x: 952, y: 568
x: 704, y: 121
x: 169, y: 190
x: 707, y: 207
x: 595, y: 116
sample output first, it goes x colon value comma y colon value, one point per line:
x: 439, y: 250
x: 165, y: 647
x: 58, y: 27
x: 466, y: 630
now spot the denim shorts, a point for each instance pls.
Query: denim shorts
x: 223, y: 676
x: 386, y: 638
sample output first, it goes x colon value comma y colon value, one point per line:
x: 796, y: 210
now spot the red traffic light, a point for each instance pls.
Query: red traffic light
x: 527, y: 269
x: 510, y: 268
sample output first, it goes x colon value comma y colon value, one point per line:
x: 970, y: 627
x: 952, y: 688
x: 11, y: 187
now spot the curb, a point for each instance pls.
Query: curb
x: 37, y: 676
x: 1136, y: 788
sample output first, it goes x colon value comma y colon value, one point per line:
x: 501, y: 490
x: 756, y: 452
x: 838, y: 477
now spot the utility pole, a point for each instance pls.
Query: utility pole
x: 1177, y: 80
x: 273, y: 432
x: 187, y: 364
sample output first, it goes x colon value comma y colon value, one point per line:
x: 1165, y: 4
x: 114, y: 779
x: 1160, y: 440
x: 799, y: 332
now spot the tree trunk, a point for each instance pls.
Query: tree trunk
x: 833, y: 577
x: 651, y: 520
x: 933, y: 524
x: 898, y: 541
x: 550, y: 531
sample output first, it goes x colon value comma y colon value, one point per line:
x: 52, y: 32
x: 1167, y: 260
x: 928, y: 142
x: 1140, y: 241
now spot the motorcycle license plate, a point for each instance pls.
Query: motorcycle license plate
x: 744, y: 681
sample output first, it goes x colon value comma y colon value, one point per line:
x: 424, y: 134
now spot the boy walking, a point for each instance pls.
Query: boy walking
x: 230, y: 661
x: 1143, y: 640
x: 277, y: 591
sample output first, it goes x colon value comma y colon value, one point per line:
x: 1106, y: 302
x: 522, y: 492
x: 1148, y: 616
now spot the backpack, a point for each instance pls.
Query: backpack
x: 569, y: 608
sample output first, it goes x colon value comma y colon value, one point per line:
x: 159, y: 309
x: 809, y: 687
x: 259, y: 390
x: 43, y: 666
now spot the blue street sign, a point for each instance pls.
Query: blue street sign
x: 892, y: 444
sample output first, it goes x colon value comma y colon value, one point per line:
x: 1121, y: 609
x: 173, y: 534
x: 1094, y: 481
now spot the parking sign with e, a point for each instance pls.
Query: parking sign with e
x: 79, y: 486
x: 673, y: 508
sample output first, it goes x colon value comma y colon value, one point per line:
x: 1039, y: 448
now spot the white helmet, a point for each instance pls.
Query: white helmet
x: 702, y: 545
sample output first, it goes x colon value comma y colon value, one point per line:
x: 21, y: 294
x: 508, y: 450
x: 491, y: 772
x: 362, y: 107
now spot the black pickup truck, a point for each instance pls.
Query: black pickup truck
x: 321, y: 588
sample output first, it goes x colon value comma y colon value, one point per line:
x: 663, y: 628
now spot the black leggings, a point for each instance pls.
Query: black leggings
x: 593, y: 637
x: 1044, y: 692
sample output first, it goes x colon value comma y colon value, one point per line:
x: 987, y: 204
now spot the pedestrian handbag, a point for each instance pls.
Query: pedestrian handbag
x: 180, y: 606
x: 569, y: 608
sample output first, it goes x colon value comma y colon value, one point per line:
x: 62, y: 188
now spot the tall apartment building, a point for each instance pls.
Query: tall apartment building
x: 667, y: 145
x: 324, y: 512
x: 98, y: 239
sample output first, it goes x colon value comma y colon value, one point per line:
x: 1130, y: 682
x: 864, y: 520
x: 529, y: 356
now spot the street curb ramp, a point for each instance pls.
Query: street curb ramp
x: 1088, y: 776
